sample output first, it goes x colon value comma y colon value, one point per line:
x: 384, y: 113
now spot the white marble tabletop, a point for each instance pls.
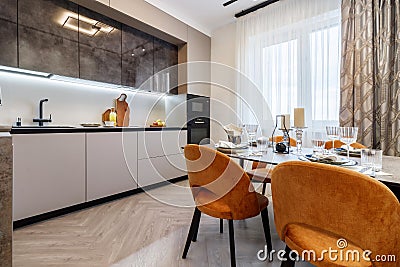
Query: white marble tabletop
x: 390, y: 169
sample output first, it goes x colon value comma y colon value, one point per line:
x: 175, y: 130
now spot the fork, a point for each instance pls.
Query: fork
x: 365, y: 169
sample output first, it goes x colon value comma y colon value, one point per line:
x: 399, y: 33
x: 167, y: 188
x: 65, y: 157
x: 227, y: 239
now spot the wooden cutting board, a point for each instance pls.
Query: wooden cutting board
x: 106, y: 115
x: 122, y: 109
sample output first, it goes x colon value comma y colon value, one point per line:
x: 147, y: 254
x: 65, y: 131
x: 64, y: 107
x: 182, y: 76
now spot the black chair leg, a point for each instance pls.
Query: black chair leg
x: 232, y: 243
x: 267, y: 230
x: 195, y: 219
x: 196, y: 228
x: 221, y: 226
x: 289, y: 262
x: 264, y: 188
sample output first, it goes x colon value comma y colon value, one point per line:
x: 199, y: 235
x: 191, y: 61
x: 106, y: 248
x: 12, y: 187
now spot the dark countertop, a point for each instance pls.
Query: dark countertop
x: 56, y: 129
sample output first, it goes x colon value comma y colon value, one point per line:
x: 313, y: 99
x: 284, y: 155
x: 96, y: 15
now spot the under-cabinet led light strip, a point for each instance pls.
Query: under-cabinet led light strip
x: 23, y: 71
x: 75, y: 80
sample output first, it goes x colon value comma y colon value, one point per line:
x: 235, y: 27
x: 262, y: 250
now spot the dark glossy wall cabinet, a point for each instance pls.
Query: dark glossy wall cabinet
x: 63, y: 38
x: 44, y: 44
x: 137, y: 58
x: 8, y: 33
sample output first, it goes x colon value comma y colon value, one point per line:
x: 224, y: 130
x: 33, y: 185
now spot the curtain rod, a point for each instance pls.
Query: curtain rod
x: 229, y: 2
x: 254, y: 8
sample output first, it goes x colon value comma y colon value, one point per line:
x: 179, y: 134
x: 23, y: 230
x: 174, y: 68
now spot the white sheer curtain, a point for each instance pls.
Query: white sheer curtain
x: 291, y: 51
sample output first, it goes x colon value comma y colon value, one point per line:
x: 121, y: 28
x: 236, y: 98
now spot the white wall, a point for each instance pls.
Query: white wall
x: 72, y: 103
x: 150, y: 15
x: 223, y: 92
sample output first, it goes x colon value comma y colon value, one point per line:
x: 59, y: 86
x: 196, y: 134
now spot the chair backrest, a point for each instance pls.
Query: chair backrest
x: 338, y: 143
x: 215, y: 172
x: 338, y: 200
x: 279, y: 138
x: 258, y: 165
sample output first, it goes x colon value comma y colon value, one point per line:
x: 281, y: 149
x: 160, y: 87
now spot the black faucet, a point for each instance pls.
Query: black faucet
x: 40, y: 120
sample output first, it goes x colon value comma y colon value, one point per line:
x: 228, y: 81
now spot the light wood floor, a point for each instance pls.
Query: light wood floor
x: 138, y: 231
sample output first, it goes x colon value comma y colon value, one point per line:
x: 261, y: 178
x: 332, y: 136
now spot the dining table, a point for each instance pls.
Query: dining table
x: 389, y: 175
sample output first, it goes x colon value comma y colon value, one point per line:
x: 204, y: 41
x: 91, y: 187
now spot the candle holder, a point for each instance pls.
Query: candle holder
x: 299, y: 139
x: 284, y: 146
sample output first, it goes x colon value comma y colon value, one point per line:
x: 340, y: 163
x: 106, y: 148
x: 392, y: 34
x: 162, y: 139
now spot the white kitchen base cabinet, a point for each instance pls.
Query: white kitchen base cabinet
x: 50, y: 172
x: 111, y: 163
x: 58, y: 170
x: 160, y: 169
x: 161, y: 143
x: 160, y: 156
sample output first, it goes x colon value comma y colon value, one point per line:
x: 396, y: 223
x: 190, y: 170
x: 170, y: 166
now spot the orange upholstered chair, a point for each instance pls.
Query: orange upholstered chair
x: 279, y: 138
x: 316, y: 205
x: 260, y: 171
x: 338, y: 143
x: 222, y: 189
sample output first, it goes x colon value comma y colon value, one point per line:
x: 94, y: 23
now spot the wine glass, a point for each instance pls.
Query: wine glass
x: 333, y: 134
x: 251, y: 130
x: 318, y: 141
x: 348, y: 135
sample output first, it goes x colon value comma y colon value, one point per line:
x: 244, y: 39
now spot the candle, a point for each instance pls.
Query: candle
x: 287, y: 121
x: 299, y: 117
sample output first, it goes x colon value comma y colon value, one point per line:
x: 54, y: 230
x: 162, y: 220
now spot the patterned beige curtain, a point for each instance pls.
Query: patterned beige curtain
x: 370, y: 72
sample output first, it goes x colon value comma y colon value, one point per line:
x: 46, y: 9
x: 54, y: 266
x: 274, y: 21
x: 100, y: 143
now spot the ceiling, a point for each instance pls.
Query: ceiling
x: 203, y: 15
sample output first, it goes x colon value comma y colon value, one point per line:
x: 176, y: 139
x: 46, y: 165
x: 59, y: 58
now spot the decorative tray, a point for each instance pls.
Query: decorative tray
x: 227, y: 150
x: 341, y: 161
x: 90, y: 124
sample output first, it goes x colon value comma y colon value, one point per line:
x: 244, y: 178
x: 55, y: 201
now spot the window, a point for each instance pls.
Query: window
x: 305, y: 72
x: 290, y: 51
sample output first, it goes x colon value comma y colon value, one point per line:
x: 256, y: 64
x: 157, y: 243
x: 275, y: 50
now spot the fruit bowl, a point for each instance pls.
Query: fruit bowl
x: 158, y: 123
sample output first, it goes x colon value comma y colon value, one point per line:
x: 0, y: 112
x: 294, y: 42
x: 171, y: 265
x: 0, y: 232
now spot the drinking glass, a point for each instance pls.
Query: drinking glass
x: 251, y: 130
x: 371, y: 158
x: 262, y: 144
x: 318, y: 141
x: 333, y: 134
x: 348, y: 135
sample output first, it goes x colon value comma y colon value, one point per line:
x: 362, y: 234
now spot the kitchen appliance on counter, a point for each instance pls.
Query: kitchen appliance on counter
x: 198, y: 119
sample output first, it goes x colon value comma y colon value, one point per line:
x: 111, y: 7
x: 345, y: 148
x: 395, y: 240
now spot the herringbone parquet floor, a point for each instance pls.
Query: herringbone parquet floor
x: 138, y: 231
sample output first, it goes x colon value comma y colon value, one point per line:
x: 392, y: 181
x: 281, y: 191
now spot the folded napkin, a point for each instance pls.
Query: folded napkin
x: 233, y: 130
x: 351, y: 149
x: 329, y: 157
x: 225, y: 144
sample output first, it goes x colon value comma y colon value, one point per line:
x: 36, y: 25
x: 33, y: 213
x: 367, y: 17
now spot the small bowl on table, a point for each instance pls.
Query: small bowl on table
x: 109, y: 124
